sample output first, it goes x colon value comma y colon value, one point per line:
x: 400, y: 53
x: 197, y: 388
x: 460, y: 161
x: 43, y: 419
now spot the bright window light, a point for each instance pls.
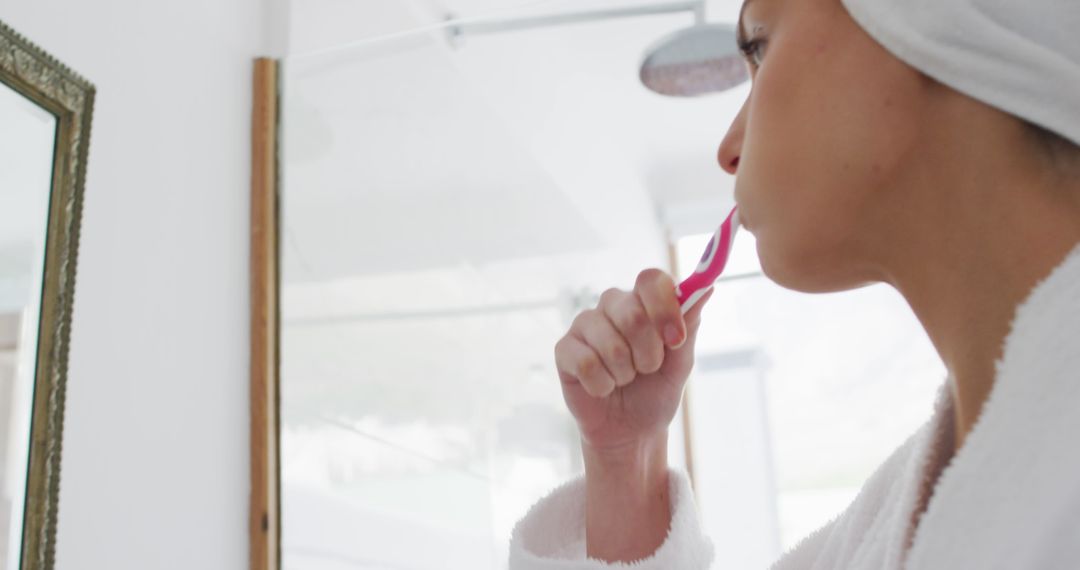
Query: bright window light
x: 795, y: 399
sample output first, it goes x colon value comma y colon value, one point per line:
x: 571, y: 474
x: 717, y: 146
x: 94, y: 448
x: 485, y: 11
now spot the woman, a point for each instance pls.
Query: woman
x: 931, y: 145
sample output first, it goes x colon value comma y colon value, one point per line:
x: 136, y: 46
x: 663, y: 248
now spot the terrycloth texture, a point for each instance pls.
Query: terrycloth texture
x: 1021, y: 56
x: 1009, y: 498
x: 552, y: 534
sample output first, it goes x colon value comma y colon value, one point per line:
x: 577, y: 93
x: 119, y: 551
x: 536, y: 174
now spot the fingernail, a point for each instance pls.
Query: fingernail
x: 671, y: 335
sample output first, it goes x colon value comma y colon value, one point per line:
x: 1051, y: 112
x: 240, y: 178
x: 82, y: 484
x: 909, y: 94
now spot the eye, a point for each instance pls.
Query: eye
x: 753, y: 50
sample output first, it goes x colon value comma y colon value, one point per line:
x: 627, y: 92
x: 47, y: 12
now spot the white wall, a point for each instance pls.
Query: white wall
x: 155, y: 457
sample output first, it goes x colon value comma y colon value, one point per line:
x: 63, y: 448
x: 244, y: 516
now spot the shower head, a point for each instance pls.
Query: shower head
x: 694, y: 61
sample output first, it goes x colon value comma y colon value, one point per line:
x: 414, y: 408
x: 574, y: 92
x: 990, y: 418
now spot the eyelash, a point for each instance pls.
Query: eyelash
x: 751, y: 50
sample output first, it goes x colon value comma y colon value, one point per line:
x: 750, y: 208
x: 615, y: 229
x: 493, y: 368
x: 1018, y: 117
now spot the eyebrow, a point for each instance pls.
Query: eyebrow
x: 740, y: 36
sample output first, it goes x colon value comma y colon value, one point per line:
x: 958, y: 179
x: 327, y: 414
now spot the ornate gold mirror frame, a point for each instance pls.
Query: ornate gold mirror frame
x: 36, y: 75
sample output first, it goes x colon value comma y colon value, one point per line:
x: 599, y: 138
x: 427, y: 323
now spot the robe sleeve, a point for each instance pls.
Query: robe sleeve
x: 551, y: 536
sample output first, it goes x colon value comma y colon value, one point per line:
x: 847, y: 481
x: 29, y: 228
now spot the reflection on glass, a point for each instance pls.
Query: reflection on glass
x: 443, y: 209
x: 26, y: 160
x: 397, y: 432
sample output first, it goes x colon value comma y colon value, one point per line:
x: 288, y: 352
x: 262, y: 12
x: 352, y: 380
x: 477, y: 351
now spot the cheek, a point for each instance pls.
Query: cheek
x: 830, y: 121
x: 820, y: 127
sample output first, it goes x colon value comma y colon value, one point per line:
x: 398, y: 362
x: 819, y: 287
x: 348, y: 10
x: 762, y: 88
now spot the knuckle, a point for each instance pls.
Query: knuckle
x: 581, y: 319
x: 652, y: 368
x: 652, y: 277
x: 635, y: 318
x: 597, y: 389
x: 588, y: 367
x: 653, y: 358
x: 618, y: 352
x: 560, y: 347
x: 610, y: 296
x: 648, y: 276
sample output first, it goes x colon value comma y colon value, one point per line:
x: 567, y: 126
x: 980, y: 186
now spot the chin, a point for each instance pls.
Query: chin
x: 802, y: 271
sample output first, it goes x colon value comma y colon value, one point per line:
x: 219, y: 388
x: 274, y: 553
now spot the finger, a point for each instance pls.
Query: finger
x: 628, y: 315
x: 693, y: 316
x: 579, y: 361
x: 657, y: 292
x: 599, y: 333
x: 693, y: 320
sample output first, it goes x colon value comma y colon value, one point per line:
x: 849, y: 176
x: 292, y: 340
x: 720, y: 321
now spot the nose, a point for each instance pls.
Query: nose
x: 731, y: 147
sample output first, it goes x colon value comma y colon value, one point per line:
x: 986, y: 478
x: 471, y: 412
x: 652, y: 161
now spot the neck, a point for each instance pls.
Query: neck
x: 978, y: 250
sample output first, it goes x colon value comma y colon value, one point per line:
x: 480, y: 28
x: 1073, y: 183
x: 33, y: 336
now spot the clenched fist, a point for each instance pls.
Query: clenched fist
x: 623, y: 364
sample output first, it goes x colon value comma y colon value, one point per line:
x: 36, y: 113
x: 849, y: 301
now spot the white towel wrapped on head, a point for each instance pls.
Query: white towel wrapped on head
x: 1021, y: 56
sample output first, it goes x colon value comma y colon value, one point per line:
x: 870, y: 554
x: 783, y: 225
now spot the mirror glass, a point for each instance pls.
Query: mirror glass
x: 27, y: 146
x: 438, y: 234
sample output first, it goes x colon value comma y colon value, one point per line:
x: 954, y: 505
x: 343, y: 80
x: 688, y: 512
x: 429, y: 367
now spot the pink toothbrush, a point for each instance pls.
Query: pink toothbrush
x: 712, y: 263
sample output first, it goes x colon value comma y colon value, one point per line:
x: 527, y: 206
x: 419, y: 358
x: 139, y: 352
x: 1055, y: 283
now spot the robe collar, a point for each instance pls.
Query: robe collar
x: 1020, y: 453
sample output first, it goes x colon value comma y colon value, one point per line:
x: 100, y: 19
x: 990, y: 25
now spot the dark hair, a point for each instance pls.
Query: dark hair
x: 1061, y: 152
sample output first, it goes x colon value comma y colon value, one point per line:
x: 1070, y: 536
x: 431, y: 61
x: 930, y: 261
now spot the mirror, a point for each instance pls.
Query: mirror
x: 45, y: 114
x: 442, y: 219
x: 26, y: 155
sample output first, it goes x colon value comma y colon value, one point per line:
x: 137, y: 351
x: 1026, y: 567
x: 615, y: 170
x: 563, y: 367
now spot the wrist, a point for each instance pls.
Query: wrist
x: 641, y: 458
x: 628, y: 503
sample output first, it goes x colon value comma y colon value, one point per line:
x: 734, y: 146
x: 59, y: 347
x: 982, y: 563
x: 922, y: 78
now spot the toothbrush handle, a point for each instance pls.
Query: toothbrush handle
x: 712, y: 263
x: 693, y: 299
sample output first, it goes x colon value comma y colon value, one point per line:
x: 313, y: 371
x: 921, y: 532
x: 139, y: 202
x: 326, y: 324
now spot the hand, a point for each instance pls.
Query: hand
x: 622, y: 378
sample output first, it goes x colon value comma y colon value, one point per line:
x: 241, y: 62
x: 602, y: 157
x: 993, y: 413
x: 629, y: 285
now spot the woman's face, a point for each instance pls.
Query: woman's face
x: 823, y: 145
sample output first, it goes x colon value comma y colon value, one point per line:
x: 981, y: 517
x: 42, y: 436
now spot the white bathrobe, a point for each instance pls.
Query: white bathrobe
x: 1009, y: 498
